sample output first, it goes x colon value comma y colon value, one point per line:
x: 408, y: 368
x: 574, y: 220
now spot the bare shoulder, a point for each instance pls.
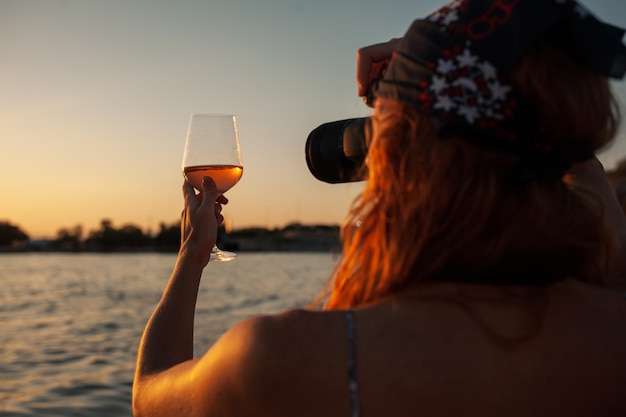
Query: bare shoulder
x: 285, y: 330
x: 296, y: 339
x: 278, y: 363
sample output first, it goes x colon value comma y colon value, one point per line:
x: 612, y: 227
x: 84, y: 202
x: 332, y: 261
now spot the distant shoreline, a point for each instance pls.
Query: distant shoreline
x: 292, y: 238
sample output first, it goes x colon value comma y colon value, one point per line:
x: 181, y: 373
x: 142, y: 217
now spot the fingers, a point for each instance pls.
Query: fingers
x: 218, y: 214
x: 212, y: 198
x: 188, y: 191
x: 208, y: 201
x: 209, y: 189
x: 371, y: 61
x: 201, y: 217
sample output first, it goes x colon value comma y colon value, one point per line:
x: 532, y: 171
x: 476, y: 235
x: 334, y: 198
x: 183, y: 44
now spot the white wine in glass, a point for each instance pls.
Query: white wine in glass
x: 212, y: 150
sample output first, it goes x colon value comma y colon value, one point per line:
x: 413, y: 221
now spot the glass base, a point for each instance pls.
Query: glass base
x: 218, y: 255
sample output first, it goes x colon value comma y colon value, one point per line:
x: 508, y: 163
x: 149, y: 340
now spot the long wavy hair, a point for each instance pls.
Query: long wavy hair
x: 441, y: 208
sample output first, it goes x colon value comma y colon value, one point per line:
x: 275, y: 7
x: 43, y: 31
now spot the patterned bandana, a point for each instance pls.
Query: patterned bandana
x: 452, y: 65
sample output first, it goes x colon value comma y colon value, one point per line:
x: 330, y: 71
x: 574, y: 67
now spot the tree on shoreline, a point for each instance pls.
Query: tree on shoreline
x: 131, y: 238
x: 69, y: 238
x: 168, y: 238
x: 12, y: 235
x: 108, y: 238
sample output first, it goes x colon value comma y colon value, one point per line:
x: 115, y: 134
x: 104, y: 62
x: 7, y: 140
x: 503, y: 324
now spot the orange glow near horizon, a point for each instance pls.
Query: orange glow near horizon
x: 93, y: 120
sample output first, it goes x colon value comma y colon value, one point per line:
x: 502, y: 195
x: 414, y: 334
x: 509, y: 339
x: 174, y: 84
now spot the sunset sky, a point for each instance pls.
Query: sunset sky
x: 95, y: 99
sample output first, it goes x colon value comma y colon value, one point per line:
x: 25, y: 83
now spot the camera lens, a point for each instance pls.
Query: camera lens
x: 335, y: 151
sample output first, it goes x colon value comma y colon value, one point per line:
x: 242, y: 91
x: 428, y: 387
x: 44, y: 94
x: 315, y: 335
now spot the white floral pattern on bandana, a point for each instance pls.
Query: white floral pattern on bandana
x: 467, y: 86
x: 463, y: 84
x: 448, y: 14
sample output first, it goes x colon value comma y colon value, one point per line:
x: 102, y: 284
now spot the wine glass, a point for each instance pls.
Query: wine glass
x: 212, y: 149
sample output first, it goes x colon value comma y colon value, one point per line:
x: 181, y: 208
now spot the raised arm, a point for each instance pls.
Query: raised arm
x: 165, y: 364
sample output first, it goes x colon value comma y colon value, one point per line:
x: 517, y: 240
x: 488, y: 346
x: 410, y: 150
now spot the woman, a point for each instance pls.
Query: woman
x: 475, y: 272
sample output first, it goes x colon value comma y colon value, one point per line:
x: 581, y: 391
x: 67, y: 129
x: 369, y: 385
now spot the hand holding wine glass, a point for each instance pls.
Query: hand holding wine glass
x: 212, y: 149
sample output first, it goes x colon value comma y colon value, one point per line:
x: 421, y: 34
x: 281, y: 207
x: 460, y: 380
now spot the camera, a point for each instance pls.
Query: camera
x: 335, y: 151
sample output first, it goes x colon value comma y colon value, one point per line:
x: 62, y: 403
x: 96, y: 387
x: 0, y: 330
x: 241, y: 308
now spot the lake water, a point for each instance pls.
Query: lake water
x: 70, y: 324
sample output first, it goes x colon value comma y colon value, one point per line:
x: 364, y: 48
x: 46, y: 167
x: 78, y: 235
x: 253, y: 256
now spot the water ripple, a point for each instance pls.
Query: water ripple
x: 72, y: 322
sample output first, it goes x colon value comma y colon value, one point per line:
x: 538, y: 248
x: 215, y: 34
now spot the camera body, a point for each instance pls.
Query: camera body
x: 335, y: 151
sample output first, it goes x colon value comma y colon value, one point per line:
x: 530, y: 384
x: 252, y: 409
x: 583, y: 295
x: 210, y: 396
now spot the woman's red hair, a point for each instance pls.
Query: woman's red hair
x: 444, y: 209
